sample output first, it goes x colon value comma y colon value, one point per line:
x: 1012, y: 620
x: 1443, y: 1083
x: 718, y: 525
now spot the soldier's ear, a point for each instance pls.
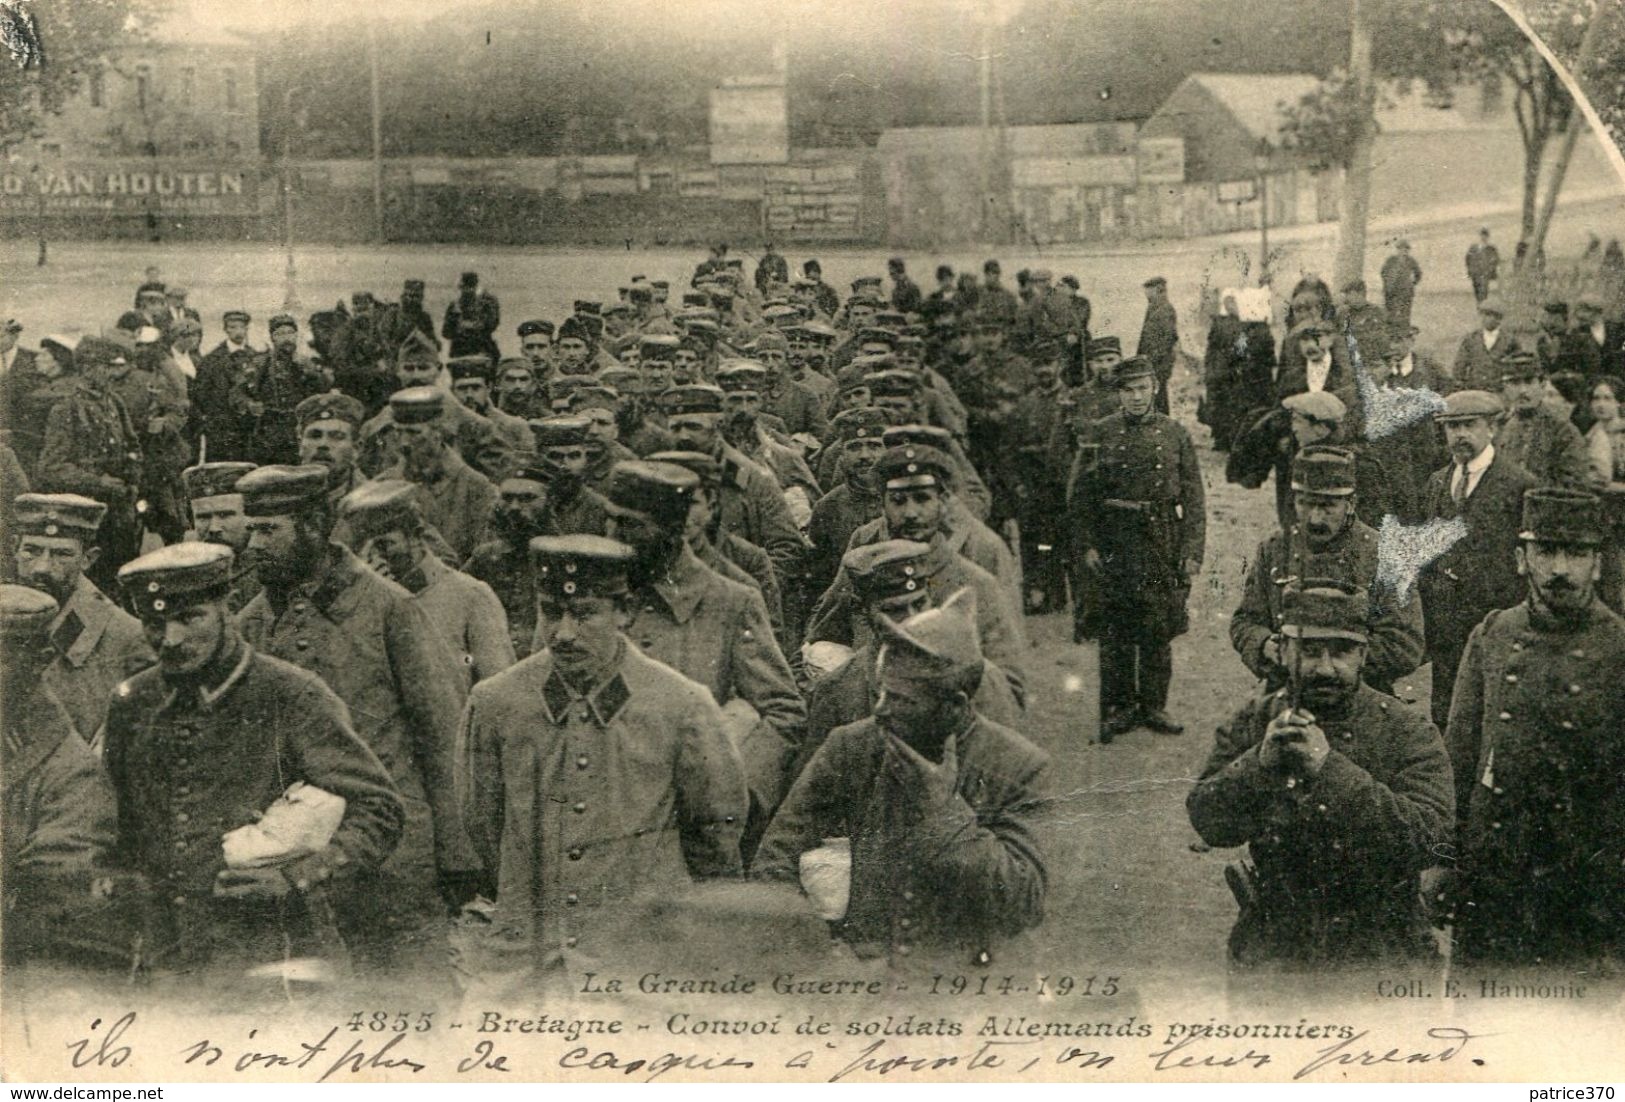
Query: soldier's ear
x: 1522, y: 561
x: 91, y: 555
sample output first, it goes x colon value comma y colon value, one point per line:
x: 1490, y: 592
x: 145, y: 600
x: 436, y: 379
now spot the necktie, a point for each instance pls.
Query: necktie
x: 1458, y: 488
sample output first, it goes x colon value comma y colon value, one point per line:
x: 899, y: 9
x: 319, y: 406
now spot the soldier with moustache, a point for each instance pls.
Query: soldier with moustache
x: 1537, y: 739
x: 1327, y: 541
x: 1542, y: 442
x: 859, y: 442
x: 199, y: 747
x: 217, y: 374
x: 471, y: 380
x: 454, y: 497
x: 1140, y: 517
x: 217, y: 517
x: 93, y: 643
x: 269, y: 390
x: 1341, y: 794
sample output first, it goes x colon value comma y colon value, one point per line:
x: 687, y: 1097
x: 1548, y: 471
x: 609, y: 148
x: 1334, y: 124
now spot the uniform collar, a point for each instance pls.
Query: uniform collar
x: 604, y: 702
x: 80, y: 625
x: 683, y: 586
x: 339, y: 572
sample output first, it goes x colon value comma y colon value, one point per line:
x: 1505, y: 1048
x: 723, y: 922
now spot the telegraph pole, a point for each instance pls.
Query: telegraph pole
x: 377, y: 137
x: 290, y: 297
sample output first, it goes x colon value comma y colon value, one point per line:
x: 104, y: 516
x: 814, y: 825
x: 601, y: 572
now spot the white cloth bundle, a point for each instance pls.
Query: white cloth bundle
x: 300, y: 823
x: 823, y: 658
x: 826, y: 877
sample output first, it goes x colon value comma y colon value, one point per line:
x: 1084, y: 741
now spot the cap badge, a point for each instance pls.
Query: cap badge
x: 152, y: 587
x: 158, y: 605
x: 569, y: 587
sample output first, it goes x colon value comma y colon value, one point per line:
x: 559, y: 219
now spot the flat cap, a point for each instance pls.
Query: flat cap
x: 736, y: 375
x: 1492, y: 304
x: 534, y: 326
x: 914, y: 465
x: 417, y: 405
x: 1317, y: 405
x: 694, y: 398
x: 69, y: 515
x: 176, y: 577
x: 1521, y: 366
x: 888, y: 569
x: 1464, y: 405
x: 900, y: 436
x: 280, y: 490
x: 658, y: 492
x: 1555, y: 514
x: 282, y: 321
x: 938, y: 644
x: 475, y: 366
x: 25, y: 613
x: 875, y: 334
x: 864, y: 423
x: 335, y: 405
x: 213, y: 479
x: 1323, y: 470
x: 580, y: 565
x: 236, y: 315
x: 706, y: 466
x: 560, y: 432
x: 892, y: 383
x: 1325, y: 609
x: 384, y: 505
x: 1103, y: 346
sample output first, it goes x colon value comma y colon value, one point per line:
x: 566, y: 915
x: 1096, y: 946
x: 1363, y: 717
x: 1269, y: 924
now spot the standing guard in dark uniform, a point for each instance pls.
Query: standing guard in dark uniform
x: 1159, y: 336
x: 1040, y: 484
x: 203, y: 744
x: 268, y: 391
x: 217, y: 373
x: 1537, y: 739
x: 1141, y: 521
x: 472, y: 319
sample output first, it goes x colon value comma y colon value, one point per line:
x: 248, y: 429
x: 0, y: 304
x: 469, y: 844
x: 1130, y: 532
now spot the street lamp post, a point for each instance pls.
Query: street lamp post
x: 290, y: 299
x: 1261, y: 161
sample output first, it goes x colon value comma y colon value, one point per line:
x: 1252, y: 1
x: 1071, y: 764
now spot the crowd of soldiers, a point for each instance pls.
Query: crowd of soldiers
x: 381, y: 648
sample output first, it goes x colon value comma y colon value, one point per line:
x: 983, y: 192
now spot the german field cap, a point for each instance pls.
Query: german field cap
x: 1155, y: 281
x: 705, y: 466
x: 866, y: 281
x: 775, y: 313
x: 875, y: 334
x: 821, y: 331
x: 1556, y: 306
x: 417, y: 405
x: 534, y: 326
x: 1325, y: 609
x: 892, y: 383
x: 176, y: 577
x: 414, y: 286
x: 98, y: 352
x: 1464, y: 405
x: 57, y: 515
x: 594, y: 396
x: 695, y: 298
x: 471, y: 367
x: 771, y: 341
x: 620, y: 378
x: 25, y: 613
x: 587, y: 306
x: 1322, y: 470
x: 866, y: 423
x: 151, y: 287
x: 1103, y: 346
x: 333, y: 406
x: 208, y: 480
x: 658, y: 346
x: 901, y: 436
x: 1135, y: 367
x: 573, y: 328
x: 658, y: 492
x: 939, y: 643
x: 888, y: 569
x: 891, y: 319
x: 1521, y: 366
x: 914, y: 465
x: 385, y: 505
x: 1492, y: 304
x: 694, y: 398
x: 282, y: 321
x: 1555, y: 514
x: 280, y: 490
x: 741, y: 375
x: 1317, y: 405
x: 614, y: 309
x: 699, y: 322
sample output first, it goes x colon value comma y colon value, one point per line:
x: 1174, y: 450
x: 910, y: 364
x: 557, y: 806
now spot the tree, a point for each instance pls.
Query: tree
x: 67, y: 40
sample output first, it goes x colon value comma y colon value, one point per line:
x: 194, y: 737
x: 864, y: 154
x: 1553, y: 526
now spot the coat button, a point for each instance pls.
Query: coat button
x: 574, y: 854
x: 579, y: 808
x: 571, y: 899
x: 584, y: 712
x: 570, y: 942
x: 1506, y: 715
x: 182, y: 817
x: 1574, y: 690
x: 180, y: 901
x: 1512, y: 679
x: 181, y: 845
x: 1568, y: 725
x: 302, y: 644
x: 581, y: 761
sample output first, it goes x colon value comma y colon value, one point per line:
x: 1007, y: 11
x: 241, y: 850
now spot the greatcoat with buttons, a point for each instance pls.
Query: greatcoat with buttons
x: 97, y: 645
x: 583, y: 802
x: 190, y: 766
x: 1339, y: 854
x: 956, y: 874
x: 1537, y: 739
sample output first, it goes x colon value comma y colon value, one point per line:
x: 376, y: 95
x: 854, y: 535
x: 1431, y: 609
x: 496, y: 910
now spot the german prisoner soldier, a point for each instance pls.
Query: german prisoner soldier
x: 851, y: 504
x: 329, y: 430
x: 472, y: 378
x: 92, y: 448
x: 1159, y: 337
x: 56, y: 806
x: 94, y: 644
x: 1141, y: 523
x: 32, y: 384
x: 1541, y: 441
x: 941, y: 805
x: 217, y: 517
x: 1478, y: 573
x: 406, y: 317
x: 799, y: 402
x: 905, y: 293
x: 1400, y: 276
x: 503, y: 561
x: 888, y: 579
x: 1478, y: 357
x: 1537, y: 738
x: 917, y: 495
x: 453, y: 497
x: 591, y: 773
x: 204, y: 743
x: 706, y: 627
x: 389, y: 533
x: 219, y: 428
x: 517, y: 390
x: 1325, y: 541
x: 471, y: 320
x: 1483, y: 265
x: 1341, y: 794
x: 268, y: 391
x: 154, y: 394
x: 324, y: 611
x: 752, y: 506
x: 1036, y: 419
x: 734, y: 558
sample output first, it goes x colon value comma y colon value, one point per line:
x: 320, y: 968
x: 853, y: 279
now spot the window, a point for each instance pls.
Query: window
x: 188, y: 85
x: 143, y: 85
x: 98, y: 87
x: 231, y: 89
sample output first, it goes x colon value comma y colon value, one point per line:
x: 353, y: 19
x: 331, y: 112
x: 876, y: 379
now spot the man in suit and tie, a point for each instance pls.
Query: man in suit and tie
x: 1478, y: 357
x: 1479, y: 572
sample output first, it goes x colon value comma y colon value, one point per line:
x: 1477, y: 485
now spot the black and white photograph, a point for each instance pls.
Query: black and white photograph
x: 756, y: 541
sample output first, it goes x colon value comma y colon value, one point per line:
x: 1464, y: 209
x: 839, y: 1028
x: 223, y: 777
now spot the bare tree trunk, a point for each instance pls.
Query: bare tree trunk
x: 1356, y: 206
x: 1571, y: 135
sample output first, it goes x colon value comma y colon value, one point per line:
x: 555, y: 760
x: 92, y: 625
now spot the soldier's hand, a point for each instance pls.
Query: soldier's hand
x: 1440, y: 889
x: 255, y: 408
x: 932, y: 781
x: 1274, y: 650
x: 1091, y: 560
x: 1284, y: 732
x: 1313, y: 751
x: 251, y: 884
